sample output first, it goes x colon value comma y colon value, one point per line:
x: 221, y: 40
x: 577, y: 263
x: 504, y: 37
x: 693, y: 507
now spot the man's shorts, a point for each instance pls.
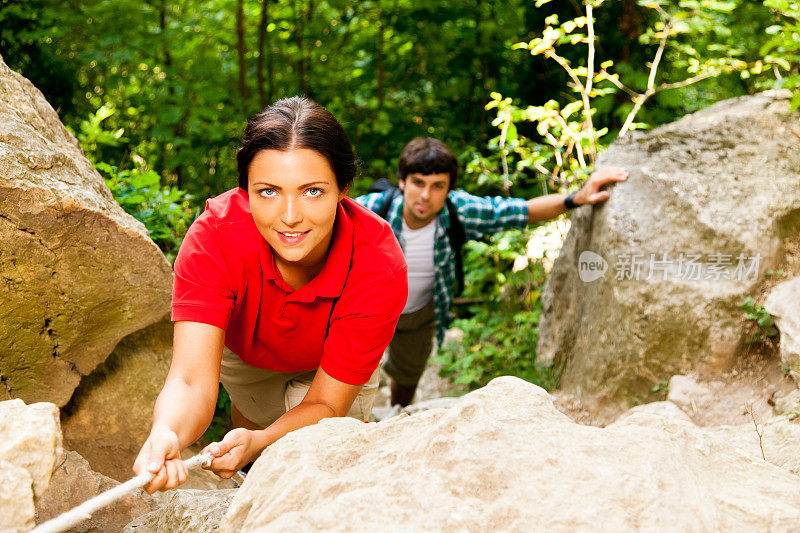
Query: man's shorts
x: 411, y: 345
x: 263, y: 396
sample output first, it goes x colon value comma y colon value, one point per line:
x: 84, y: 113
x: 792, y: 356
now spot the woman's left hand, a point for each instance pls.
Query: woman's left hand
x: 235, y: 450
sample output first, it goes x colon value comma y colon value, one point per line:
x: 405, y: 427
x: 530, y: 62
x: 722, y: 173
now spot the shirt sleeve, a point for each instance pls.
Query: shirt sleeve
x: 372, y: 201
x: 202, y: 290
x: 361, y: 328
x: 487, y: 215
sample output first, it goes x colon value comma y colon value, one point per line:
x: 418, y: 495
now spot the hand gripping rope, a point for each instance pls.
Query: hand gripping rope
x: 84, y: 511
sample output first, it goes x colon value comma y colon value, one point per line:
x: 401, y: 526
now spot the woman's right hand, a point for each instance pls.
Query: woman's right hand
x: 161, y: 455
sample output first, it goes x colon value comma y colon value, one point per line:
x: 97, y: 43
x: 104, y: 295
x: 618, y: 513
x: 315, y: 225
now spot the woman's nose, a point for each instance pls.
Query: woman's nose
x: 291, y: 214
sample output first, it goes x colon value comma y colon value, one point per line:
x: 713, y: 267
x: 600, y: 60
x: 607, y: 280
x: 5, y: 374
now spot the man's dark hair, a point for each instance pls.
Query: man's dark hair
x: 425, y: 155
x: 298, y: 122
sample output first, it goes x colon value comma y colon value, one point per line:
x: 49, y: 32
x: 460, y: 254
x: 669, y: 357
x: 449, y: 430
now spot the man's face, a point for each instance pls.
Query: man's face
x: 423, y: 197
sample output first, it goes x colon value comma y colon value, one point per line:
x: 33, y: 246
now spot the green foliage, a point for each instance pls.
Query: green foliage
x: 568, y: 134
x: 166, y: 212
x: 221, y: 423
x: 662, y: 386
x: 501, y: 329
x: 783, y: 48
x: 774, y: 273
x: 760, y: 317
x: 184, y: 85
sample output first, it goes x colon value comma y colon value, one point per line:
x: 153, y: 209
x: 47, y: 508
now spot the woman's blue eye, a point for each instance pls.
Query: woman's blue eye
x: 267, y: 192
x: 314, y: 191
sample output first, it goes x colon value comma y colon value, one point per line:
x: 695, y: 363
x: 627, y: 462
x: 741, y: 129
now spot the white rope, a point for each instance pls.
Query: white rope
x: 84, y: 511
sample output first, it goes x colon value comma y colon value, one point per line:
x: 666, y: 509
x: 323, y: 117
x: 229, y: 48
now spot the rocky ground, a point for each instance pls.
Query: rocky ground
x: 728, y: 410
x: 712, y: 399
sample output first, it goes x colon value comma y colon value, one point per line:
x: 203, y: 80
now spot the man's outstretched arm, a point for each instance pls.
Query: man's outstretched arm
x: 546, y: 207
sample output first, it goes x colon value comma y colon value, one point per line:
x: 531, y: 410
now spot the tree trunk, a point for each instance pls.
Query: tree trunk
x: 473, y: 85
x: 298, y: 40
x: 241, y: 48
x: 169, y: 80
x: 264, y: 96
x: 380, y: 67
x: 302, y: 16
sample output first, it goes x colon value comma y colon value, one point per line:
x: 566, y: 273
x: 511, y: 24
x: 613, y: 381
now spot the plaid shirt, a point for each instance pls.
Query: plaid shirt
x: 479, y: 216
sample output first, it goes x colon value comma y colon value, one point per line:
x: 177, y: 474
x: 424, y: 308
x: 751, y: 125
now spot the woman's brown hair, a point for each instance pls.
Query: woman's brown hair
x: 298, y: 122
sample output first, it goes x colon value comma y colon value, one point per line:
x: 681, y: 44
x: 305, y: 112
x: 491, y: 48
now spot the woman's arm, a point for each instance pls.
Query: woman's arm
x: 185, y: 406
x: 327, y: 397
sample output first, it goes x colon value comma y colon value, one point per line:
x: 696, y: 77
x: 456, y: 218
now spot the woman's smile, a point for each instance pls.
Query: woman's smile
x: 293, y: 237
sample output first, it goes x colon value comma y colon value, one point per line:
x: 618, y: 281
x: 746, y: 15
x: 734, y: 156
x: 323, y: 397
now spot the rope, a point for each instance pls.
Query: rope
x: 84, y: 511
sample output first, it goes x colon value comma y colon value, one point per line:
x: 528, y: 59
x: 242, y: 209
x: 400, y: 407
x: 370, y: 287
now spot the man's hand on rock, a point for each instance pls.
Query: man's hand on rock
x: 234, y: 451
x: 590, y: 193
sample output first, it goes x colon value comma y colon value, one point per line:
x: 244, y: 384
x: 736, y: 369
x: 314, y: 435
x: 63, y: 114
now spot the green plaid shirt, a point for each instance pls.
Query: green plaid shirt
x: 479, y: 216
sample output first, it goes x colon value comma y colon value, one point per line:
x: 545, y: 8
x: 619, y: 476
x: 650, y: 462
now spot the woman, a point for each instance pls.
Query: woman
x: 300, y: 283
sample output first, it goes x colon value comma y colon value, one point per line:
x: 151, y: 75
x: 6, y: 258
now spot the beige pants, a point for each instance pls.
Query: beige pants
x: 262, y: 396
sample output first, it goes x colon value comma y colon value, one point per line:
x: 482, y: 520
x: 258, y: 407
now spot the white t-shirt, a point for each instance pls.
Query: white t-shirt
x: 419, y: 257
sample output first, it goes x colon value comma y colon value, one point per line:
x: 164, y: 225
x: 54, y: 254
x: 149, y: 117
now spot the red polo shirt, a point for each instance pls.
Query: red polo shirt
x: 341, y: 321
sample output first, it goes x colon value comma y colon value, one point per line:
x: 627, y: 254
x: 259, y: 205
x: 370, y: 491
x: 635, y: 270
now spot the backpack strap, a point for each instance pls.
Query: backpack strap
x: 391, y: 194
x: 457, y: 238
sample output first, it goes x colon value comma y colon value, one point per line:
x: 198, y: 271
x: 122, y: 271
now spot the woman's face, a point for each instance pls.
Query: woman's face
x: 293, y: 198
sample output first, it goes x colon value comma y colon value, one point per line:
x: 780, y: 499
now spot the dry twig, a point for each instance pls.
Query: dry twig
x: 749, y: 408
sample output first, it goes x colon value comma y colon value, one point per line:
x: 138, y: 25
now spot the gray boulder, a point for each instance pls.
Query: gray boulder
x: 783, y: 303
x: 778, y: 442
x: 112, y: 411
x: 74, y: 482
x: 185, y: 510
x: 30, y: 450
x: 505, y: 459
x: 649, y: 283
x: 77, y: 273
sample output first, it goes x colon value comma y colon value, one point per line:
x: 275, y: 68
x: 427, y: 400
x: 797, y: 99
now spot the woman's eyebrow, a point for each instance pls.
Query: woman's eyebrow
x: 265, y: 184
x: 313, y: 183
x: 278, y: 187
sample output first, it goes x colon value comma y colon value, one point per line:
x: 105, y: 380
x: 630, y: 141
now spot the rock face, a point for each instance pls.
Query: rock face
x: 504, y: 459
x: 648, y: 284
x: 30, y: 449
x: 111, y: 414
x: 783, y: 303
x: 74, y: 482
x: 77, y: 273
x: 185, y: 510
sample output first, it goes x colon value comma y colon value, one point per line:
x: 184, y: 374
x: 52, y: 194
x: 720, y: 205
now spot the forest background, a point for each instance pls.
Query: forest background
x: 526, y: 92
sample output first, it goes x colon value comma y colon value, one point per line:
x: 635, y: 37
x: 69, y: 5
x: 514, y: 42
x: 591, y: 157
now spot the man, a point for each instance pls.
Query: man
x: 427, y: 173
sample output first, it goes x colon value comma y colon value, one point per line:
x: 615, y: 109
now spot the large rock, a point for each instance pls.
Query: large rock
x: 783, y: 303
x: 110, y: 417
x: 77, y: 273
x: 185, y: 510
x: 648, y: 284
x: 30, y: 449
x: 775, y: 440
x: 503, y: 459
x: 74, y: 482
x: 778, y: 444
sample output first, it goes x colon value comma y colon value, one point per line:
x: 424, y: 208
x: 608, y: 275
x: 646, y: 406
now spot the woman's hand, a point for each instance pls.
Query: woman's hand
x: 235, y: 450
x: 161, y: 455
